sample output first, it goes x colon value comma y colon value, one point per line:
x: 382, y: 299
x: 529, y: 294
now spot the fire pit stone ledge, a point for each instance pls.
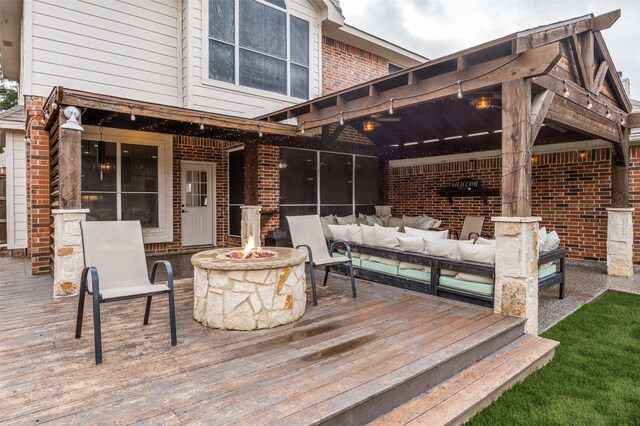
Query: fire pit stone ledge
x: 249, y: 294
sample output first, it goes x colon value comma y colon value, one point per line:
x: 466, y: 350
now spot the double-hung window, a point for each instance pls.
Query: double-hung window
x: 259, y: 44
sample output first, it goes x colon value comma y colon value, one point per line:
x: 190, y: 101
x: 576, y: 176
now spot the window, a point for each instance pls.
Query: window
x: 236, y: 190
x: 259, y: 44
x: 394, y: 68
x: 346, y: 184
x: 123, y: 185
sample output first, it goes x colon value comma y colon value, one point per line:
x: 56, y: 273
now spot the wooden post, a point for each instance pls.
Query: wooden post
x: 516, y: 148
x: 620, y: 171
x: 70, y: 163
x: 251, y: 173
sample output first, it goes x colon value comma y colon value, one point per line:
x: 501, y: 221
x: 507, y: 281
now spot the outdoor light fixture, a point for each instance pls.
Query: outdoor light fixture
x: 582, y: 154
x: 368, y: 125
x: 483, y: 102
x: 608, y: 114
x: 565, y: 89
x: 201, y: 123
x: 391, y: 106
x: 282, y: 164
x: 589, y: 103
x: 341, y: 119
x: 133, y: 116
x: 459, y: 89
x: 72, y: 113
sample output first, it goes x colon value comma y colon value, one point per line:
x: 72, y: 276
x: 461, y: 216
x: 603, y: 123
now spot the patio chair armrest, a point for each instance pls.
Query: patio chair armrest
x: 454, y: 234
x: 95, y: 286
x: 340, y: 242
x: 309, y: 253
x: 474, y: 233
x: 169, y: 269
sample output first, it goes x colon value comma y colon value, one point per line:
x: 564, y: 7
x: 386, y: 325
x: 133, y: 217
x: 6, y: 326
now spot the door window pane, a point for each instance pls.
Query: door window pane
x: 263, y: 28
x: 196, y: 188
x: 336, y: 185
x: 299, y: 82
x: 222, y: 20
x: 98, y: 176
x: 299, y: 41
x: 142, y: 207
x: 139, y: 165
x: 101, y: 206
x: 222, y: 62
x: 263, y: 72
x: 366, y: 180
x: 298, y: 176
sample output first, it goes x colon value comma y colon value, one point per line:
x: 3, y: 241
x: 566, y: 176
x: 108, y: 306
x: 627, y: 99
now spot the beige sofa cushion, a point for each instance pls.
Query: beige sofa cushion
x: 339, y: 232
x: 483, y: 253
x: 484, y: 241
x: 394, y: 222
x: 431, y: 235
x: 347, y: 220
x: 368, y: 237
x: 385, y: 237
x: 413, y: 244
x: 445, y: 248
x: 417, y: 222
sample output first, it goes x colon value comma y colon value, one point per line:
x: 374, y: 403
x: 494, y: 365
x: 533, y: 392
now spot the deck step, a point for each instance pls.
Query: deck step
x: 460, y: 397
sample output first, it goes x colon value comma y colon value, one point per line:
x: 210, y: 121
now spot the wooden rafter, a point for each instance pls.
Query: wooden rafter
x: 603, y: 68
x: 613, y: 73
x: 539, y: 107
x: 581, y: 120
x: 633, y: 120
x: 579, y: 60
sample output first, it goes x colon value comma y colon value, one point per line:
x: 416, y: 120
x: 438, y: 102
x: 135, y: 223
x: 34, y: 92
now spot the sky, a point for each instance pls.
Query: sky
x: 434, y: 28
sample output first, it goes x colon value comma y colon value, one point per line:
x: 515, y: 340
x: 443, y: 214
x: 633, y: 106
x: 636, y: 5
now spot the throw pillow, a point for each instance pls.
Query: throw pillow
x: 443, y: 248
x: 432, y: 235
x: 371, y: 219
x: 395, y: 222
x: 368, y: 237
x: 484, y: 241
x: 542, y: 237
x: 385, y: 237
x: 411, y: 243
x: 324, y: 221
x: 339, y: 232
x: 347, y: 220
x: 484, y: 253
x: 552, y: 242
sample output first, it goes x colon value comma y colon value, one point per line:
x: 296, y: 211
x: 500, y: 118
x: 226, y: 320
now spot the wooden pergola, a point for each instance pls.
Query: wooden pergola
x: 550, y: 84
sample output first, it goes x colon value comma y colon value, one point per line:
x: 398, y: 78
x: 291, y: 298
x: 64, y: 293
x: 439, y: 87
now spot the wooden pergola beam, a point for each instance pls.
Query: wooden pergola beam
x: 580, y: 64
x: 600, y: 76
x: 531, y: 63
x: 582, y: 120
x: 613, y: 73
x: 633, y: 120
x: 539, y: 108
x: 147, y: 109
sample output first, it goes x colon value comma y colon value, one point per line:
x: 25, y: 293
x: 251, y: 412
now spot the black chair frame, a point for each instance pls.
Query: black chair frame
x: 97, y: 300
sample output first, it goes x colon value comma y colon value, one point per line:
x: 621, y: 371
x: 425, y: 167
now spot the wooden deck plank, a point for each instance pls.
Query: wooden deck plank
x: 343, y: 345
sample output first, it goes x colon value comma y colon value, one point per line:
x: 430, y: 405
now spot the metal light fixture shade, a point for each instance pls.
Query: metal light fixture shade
x: 72, y: 124
x: 483, y: 102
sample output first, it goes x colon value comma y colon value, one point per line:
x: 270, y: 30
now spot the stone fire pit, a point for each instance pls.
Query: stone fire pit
x: 249, y: 294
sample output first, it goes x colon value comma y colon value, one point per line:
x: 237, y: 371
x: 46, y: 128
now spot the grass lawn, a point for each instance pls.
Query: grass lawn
x: 594, y: 377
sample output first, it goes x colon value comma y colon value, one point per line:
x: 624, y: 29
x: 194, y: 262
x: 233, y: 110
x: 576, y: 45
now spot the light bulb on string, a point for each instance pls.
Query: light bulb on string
x: 341, y: 118
x: 589, y: 103
x: 608, y: 113
x: 133, y: 116
x: 622, y: 120
x: 565, y: 89
x: 259, y: 131
x: 302, y: 129
x: 391, y: 106
x: 201, y: 123
x: 459, y: 89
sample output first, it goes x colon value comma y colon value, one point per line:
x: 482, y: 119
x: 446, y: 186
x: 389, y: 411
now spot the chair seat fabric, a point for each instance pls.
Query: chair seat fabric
x: 132, y: 290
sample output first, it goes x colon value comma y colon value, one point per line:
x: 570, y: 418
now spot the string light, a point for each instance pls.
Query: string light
x: 589, y: 103
x: 391, y: 106
x: 459, y: 89
x: 302, y: 128
x: 622, y: 120
x: 341, y: 119
x: 608, y: 114
x: 259, y: 131
x: 565, y: 89
x: 201, y: 123
x: 133, y: 116
x: 54, y: 105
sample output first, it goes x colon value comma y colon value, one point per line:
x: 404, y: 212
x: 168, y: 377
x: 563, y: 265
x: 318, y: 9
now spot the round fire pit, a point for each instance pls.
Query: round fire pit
x: 262, y: 291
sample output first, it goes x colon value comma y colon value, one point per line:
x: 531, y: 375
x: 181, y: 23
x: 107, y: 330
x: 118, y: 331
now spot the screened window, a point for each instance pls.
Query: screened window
x: 314, y: 182
x: 260, y: 45
x: 236, y: 190
x: 121, y: 182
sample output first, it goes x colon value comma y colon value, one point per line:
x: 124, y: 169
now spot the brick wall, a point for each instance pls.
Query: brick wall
x: 344, y: 66
x: 269, y: 186
x: 571, y: 192
x: 211, y: 151
x: 38, y: 189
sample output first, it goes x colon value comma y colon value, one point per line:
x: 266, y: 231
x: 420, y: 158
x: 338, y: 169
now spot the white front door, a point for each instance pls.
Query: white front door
x: 197, y: 205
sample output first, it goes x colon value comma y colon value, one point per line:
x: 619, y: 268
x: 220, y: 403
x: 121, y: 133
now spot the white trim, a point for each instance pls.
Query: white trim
x: 11, y: 138
x: 26, y: 46
x: 164, y: 232
x: 496, y: 153
x: 179, y: 64
x: 12, y: 125
x: 189, y: 66
x: 211, y: 189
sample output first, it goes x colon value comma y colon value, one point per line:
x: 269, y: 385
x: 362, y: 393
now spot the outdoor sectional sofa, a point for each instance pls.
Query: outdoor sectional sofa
x: 435, y: 283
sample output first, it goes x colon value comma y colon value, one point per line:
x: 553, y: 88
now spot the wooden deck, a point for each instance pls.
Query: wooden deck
x: 347, y: 361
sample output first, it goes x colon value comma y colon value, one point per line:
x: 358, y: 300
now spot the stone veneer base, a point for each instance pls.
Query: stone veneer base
x: 249, y: 294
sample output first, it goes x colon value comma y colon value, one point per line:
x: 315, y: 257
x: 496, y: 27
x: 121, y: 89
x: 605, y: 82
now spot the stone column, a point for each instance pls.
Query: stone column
x: 383, y: 210
x: 516, y: 281
x: 251, y: 224
x: 68, y: 260
x: 620, y: 242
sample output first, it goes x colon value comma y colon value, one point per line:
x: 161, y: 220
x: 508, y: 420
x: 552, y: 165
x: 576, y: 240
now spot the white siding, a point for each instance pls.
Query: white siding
x: 16, y: 189
x: 240, y: 101
x: 124, y: 48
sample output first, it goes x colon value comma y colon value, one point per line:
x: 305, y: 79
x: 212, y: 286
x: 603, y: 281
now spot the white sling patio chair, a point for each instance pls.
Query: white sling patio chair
x: 116, y: 269
x: 306, y: 232
x: 472, y: 228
